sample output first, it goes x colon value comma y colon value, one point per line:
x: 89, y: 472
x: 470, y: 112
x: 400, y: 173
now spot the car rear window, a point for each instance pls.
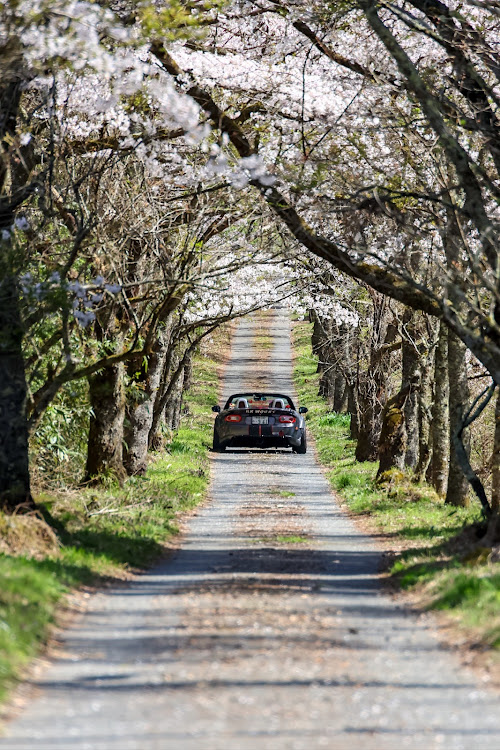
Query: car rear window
x: 258, y: 401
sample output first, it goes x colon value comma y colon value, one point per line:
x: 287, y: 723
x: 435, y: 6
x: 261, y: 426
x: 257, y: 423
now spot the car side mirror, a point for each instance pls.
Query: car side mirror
x: 303, y: 410
x: 216, y: 408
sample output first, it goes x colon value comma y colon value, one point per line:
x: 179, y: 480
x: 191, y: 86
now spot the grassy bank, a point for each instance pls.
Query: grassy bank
x: 85, y: 536
x: 432, y: 541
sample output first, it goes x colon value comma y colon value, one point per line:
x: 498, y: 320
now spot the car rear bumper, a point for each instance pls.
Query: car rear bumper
x: 261, y: 435
x: 262, y: 441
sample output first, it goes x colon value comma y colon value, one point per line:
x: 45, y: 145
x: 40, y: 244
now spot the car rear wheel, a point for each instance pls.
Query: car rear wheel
x: 302, y: 448
x: 217, y: 445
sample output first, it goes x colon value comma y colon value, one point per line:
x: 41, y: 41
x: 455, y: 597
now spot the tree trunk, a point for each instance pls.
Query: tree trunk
x: 458, y: 486
x: 317, y: 338
x: 495, y: 460
x: 372, y: 385
x: 105, y: 443
x: 493, y: 531
x: 160, y: 407
x: 176, y: 403
x: 168, y: 404
x: 185, y: 383
x: 392, y: 447
x: 424, y: 419
x: 172, y: 407
x: 410, y: 374
x: 140, y: 412
x: 348, y: 370
x: 15, y: 488
x: 440, y: 429
x: 369, y: 430
x: 321, y: 349
x: 339, y: 393
x: 188, y: 374
x: 352, y: 408
x: 14, y: 463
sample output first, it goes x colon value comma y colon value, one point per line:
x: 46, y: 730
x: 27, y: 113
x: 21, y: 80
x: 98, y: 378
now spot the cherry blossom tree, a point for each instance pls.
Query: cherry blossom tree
x: 54, y: 57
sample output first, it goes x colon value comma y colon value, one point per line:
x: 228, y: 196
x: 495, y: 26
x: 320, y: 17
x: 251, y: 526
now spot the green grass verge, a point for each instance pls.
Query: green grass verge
x: 438, y: 538
x: 100, y: 532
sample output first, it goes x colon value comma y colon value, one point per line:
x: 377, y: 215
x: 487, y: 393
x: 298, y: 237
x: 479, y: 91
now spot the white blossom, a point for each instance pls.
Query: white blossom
x: 21, y: 223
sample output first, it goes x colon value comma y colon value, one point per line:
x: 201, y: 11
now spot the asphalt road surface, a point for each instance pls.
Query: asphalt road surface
x: 267, y: 630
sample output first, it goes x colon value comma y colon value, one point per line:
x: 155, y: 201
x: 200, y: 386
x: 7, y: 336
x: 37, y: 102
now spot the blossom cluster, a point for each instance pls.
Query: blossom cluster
x: 20, y: 223
x: 84, y: 298
x: 99, y: 69
x: 249, y: 168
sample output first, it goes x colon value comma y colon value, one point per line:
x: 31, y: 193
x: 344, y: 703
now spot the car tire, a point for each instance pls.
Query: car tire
x: 302, y: 448
x: 217, y: 446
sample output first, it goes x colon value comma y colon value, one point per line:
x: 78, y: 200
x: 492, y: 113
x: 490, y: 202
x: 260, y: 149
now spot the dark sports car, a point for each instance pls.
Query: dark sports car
x: 260, y: 420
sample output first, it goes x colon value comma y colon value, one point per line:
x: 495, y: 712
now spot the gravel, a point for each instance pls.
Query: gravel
x: 268, y: 629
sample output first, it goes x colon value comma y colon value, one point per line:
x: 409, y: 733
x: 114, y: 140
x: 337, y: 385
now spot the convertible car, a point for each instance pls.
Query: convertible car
x: 260, y: 420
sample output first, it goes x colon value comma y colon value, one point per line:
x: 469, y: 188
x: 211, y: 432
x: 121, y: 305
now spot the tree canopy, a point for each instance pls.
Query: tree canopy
x: 168, y: 166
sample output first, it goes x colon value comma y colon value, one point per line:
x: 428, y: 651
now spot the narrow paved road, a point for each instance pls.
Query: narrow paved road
x: 267, y: 630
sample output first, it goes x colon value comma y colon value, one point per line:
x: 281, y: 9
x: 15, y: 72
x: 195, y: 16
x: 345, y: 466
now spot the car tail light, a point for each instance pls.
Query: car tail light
x: 287, y: 419
x: 234, y: 418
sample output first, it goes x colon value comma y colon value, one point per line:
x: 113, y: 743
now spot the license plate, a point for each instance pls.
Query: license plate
x: 260, y: 420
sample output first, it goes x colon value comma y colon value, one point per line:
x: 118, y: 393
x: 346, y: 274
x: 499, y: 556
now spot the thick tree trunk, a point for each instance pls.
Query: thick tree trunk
x: 458, y: 486
x: 392, y: 447
x: 370, y: 399
x: 105, y: 443
x: 410, y: 373
x: 440, y: 428
x: 14, y: 464
x: 372, y: 388
x: 339, y: 401
x: 14, y: 175
x: 140, y: 412
x: 369, y: 429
